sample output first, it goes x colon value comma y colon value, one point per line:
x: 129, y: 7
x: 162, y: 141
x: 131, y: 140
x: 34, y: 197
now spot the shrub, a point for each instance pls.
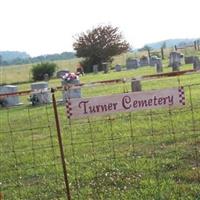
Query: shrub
x: 39, y: 70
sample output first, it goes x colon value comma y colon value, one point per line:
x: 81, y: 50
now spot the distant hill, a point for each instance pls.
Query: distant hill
x: 53, y: 57
x: 171, y: 43
x: 17, y: 58
x: 11, y: 55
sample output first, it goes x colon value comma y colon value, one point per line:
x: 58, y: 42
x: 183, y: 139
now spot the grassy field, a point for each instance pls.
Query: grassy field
x: 22, y: 73
x: 143, y: 155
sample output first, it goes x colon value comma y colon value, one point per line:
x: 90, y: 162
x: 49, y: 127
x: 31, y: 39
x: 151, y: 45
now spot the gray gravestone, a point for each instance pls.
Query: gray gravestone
x: 196, y: 63
x: 46, y: 77
x: 132, y: 64
x: 69, y: 92
x: 154, y: 60
x: 189, y: 59
x: 95, y: 69
x: 10, y: 100
x: 105, y: 67
x: 175, y: 60
x: 118, y: 68
x: 144, y: 61
x: 159, y: 67
x: 136, y: 85
x: 39, y: 91
x: 157, y: 63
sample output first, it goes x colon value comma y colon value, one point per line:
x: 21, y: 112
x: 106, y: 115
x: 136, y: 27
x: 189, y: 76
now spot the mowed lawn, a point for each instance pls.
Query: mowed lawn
x: 141, y: 155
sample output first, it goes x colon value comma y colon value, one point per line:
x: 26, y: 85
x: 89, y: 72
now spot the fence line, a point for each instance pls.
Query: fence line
x: 142, y: 155
x: 107, y: 82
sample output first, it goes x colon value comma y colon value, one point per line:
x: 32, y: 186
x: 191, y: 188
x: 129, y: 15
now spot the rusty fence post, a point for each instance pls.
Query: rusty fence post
x: 61, y: 145
x: 1, y: 196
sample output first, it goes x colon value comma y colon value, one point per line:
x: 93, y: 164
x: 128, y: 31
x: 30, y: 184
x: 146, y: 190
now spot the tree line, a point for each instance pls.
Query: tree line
x: 38, y: 59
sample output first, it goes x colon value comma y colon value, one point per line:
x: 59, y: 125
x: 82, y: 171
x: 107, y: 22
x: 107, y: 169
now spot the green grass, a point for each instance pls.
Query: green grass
x: 143, y: 155
x: 22, y: 73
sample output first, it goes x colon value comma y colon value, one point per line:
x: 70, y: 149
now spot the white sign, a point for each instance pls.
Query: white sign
x: 126, y: 102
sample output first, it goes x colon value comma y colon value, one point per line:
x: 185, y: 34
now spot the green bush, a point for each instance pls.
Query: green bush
x: 39, y: 70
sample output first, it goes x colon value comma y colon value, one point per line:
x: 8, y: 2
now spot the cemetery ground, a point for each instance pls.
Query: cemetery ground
x: 142, y: 155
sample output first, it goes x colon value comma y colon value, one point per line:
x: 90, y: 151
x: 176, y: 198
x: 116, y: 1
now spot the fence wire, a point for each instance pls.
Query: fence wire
x: 142, y: 155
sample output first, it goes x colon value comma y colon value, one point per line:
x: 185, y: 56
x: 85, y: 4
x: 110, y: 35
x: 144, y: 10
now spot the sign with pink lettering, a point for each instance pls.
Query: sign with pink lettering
x: 126, y: 102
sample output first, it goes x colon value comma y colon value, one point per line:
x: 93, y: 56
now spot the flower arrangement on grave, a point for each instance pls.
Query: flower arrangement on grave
x: 70, y: 78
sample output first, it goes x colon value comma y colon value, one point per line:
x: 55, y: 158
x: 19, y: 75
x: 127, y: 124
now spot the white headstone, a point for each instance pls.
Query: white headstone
x: 69, y: 92
x: 10, y: 100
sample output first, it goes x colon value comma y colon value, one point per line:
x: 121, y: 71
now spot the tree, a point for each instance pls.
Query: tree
x: 39, y: 70
x: 99, y: 45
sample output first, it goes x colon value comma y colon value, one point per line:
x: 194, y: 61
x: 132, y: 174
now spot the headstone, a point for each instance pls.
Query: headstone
x: 175, y: 60
x: 61, y: 73
x: 105, y: 67
x: 136, y: 85
x: 132, y: 64
x: 182, y: 59
x: 159, y: 68
x: 46, y: 77
x: 118, y: 68
x: 69, y: 92
x: 10, y: 100
x: 189, y: 59
x: 196, y: 63
x: 154, y: 60
x: 157, y: 63
x: 144, y: 61
x: 40, y: 93
x: 95, y: 69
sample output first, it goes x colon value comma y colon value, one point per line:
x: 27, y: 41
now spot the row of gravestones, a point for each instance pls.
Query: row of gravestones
x: 153, y: 61
x: 134, y: 64
x: 42, y: 94
x: 39, y: 94
x: 175, y: 61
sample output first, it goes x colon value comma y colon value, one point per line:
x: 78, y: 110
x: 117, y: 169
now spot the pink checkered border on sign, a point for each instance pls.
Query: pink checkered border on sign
x: 69, y: 109
x: 181, y: 95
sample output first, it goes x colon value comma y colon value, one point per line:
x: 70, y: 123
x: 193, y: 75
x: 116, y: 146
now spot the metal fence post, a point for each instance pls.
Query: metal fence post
x: 61, y: 146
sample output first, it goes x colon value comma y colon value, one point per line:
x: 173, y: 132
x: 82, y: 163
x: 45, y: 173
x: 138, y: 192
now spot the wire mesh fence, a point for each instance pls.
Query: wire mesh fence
x: 142, y: 155
x: 30, y: 165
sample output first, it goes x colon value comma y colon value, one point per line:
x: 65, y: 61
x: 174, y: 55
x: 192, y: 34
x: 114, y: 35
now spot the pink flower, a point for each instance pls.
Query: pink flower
x: 70, y: 77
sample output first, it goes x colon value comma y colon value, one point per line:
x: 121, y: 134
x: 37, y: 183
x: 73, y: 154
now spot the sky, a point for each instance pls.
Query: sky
x: 41, y: 27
